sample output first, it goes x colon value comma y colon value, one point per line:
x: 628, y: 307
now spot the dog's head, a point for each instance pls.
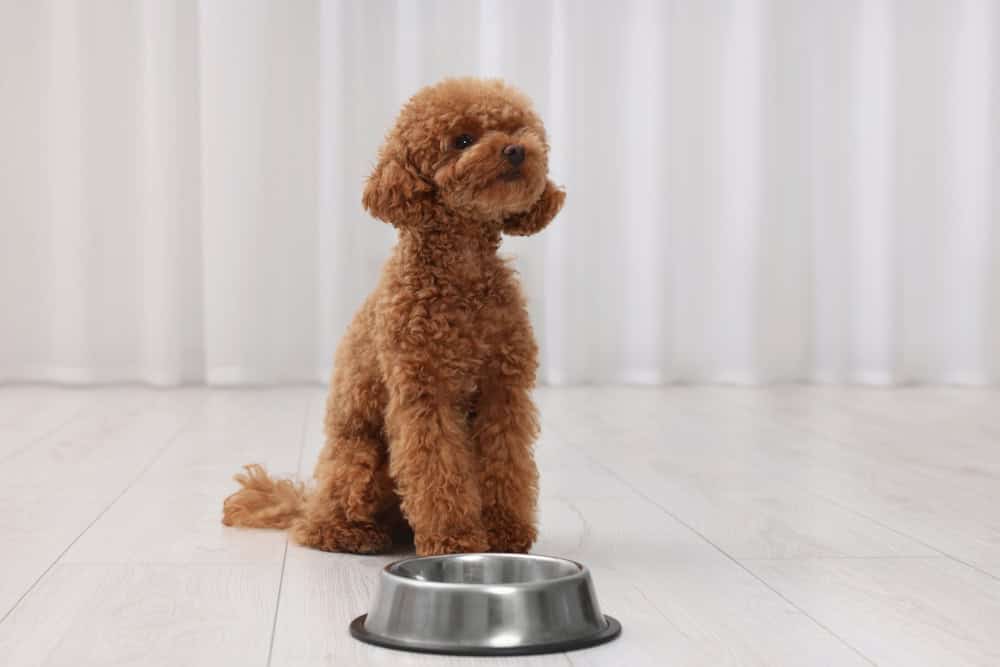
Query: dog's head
x: 474, y: 147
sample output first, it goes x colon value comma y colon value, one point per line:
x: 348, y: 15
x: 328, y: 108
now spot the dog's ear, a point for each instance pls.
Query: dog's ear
x: 539, y: 215
x: 395, y: 192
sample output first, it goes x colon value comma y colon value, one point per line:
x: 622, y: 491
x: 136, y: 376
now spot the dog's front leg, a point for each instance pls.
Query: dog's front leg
x: 435, y: 473
x: 505, y: 429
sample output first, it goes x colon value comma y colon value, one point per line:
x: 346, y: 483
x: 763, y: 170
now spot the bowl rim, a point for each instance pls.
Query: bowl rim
x: 612, y: 630
x: 582, y: 572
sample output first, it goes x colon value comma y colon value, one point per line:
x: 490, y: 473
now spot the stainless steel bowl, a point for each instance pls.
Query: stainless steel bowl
x: 485, y: 604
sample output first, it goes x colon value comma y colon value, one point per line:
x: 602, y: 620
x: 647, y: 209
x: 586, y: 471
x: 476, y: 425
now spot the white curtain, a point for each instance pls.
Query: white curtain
x: 758, y: 191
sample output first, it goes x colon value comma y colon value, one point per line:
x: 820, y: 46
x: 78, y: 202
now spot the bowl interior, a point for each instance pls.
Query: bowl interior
x: 485, y: 569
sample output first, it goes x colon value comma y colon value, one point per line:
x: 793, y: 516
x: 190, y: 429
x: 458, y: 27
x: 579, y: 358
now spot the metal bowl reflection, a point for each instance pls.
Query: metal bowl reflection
x: 485, y: 604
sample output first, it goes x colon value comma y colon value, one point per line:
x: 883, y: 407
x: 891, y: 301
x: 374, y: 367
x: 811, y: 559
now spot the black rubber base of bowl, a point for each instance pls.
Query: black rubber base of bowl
x: 613, y: 630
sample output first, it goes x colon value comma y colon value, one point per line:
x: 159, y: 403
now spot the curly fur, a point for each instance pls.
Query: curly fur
x: 262, y: 501
x: 430, y: 424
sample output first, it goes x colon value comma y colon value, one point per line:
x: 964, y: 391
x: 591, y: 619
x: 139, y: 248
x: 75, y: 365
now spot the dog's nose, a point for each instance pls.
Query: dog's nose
x: 514, y: 153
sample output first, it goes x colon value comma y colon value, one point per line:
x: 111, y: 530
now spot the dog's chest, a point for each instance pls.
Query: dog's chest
x: 453, y: 318
x: 466, y: 310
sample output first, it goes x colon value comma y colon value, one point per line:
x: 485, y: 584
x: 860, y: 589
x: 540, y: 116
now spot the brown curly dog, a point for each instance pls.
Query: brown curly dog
x: 430, y: 424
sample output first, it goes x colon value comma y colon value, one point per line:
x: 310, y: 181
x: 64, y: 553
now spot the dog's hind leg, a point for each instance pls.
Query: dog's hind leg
x: 352, y: 505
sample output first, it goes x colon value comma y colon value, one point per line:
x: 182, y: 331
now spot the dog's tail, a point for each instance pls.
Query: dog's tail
x: 263, y: 502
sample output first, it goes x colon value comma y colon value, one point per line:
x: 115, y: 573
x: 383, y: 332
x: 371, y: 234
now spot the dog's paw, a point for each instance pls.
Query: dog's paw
x: 472, y: 541
x: 355, y: 538
x: 506, y: 533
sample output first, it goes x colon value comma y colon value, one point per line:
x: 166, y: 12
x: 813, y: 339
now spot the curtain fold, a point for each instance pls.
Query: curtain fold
x: 758, y: 190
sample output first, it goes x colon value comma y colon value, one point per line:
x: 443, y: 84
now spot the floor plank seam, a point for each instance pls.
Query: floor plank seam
x: 669, y: 621
x: 165, y: 564
x: 884, y: 525
x: 277, y: 604
x: 726, y: 555
x: 284, y: 555
x: 843, y: 445
x: 786, y: 559
x: 142, y: 472
x: 42, y: 436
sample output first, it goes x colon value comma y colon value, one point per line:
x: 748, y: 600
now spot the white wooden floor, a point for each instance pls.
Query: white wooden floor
x: 787, y: 526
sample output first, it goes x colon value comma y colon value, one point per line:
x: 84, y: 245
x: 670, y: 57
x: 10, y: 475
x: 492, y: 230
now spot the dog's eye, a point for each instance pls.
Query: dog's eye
x: 463, y: 141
